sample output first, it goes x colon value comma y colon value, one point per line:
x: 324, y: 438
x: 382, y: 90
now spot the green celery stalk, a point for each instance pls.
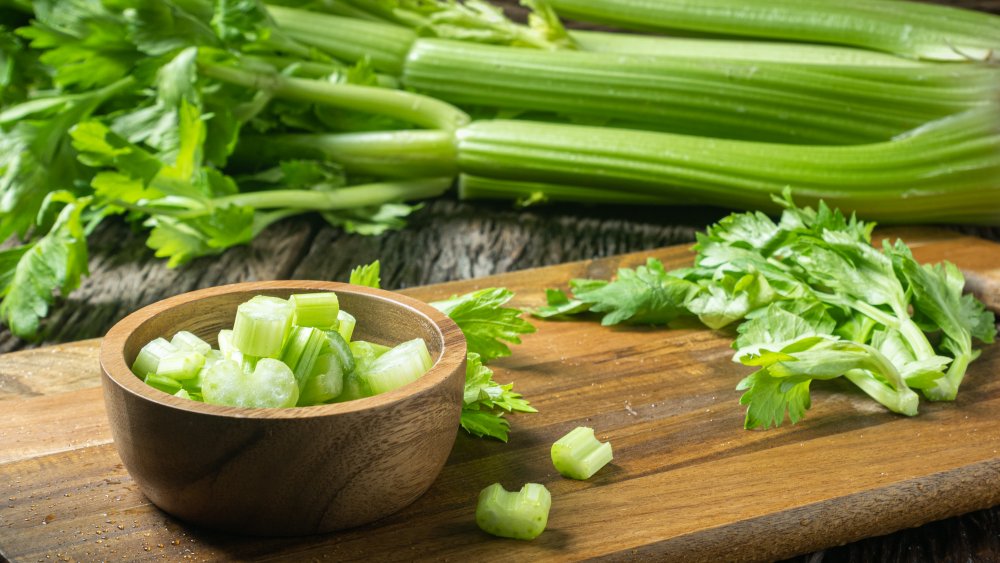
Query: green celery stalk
x: 527, y: 193
x: 910, y: 29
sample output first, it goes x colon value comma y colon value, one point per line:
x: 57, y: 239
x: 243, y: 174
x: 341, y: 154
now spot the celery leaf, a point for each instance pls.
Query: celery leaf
x: 367, y: 275
x: 486, y: 323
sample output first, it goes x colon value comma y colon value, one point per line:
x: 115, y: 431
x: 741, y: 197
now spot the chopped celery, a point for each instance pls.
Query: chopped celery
x: 301, y: 351
x: 578, y: 455
x: 364, y: 349
x: 183, y: 394
x: 341, y: 350
x: 163, y: 383
x: 326, y: 383
x: 315, y: 309
x: 397, y: 367
x: 181, y: 365
x: 520, y: 515
x: 261, y: 325
x: 271, y: 384
x: 150, y: 355
x: 188, y: 341
x: 227, y: 348
x: 346, y: 324
x: 364, y: 355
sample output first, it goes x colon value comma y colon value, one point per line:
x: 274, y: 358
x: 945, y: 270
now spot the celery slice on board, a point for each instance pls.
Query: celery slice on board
x: 261, y: 326
x: 578, y: 455
x: 520, y: 514
x: 150, y: 355
x: 315, y: 309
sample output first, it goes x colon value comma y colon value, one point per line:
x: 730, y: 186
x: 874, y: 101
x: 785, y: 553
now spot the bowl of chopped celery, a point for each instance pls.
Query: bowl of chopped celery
x: 286, y: 407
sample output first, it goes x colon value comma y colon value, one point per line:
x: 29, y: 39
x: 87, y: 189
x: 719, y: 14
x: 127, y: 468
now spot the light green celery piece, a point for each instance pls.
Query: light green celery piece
x: 315, y: 309
x: 363, y: 355
x: 346, y: 325
x: 149, y: 356
x: 188, y: 341
x: 227, y: 348
x: 402, y: 364
x: 578, y: 455
x: 271, y: 384
x: 521, y: 515
x: 181, y: 365
x: 165, y: 384
x: 183, y: 394
x: 326, y: 382
x: 262, y: 323
x: 363, y: 349
x: 342, y: 350
x: 301, y: 351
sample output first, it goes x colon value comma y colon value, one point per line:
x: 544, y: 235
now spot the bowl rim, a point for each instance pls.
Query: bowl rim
x: 115, y: 368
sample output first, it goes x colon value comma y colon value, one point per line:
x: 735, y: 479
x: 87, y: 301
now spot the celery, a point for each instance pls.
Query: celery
x: 227, y: 348
x: 909, y: 29
x: 183, y: 394
x: 181, y: 365
x: 163, y: 383
x: 315, y: 309
x: 520, y: 515
x: 341, y: 350
x: 261, y: 325
x: 578, y: 455
x: 346, y: 323
x: 148, y: 359
x: 271, y: 384
x: 188, y: 341
x: 326, y: 383
x: 395, y: 368
x: 301, y: 351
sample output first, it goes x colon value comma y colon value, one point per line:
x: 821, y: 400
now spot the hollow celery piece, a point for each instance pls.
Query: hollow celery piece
x: 578, y: 455
x: 163, y: 383
x: 150, y: 355
x: 401, y: 365
x: 227, y: 348
x: 346, y: 325
x: 185, y: 340
x: 315, y: 309
x: 326, y: 382
x: 521, y: 515
x: 303, y: 347
x: 181, y: 365
x: 261, y: 326
x: 363, y: 355
x: 271, y: 384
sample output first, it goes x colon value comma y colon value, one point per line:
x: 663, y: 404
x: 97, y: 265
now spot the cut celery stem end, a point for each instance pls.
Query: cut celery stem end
x: 399, y: 366
x: 185, y: 340
x: 346, y: 325
x: 301, y: 351
x: 341, y: 350
x: 520, y: 515
x: 363, y: 348
x: 578, y: 455
x: 227, y: 348
x: 326, y: 383
x: 148, y: 359
x: 315, y: 309
x: 261, y: 326
x: 165, y: 384
x: 181, y: 365
x: 270, y: 385
x: 183, y: 394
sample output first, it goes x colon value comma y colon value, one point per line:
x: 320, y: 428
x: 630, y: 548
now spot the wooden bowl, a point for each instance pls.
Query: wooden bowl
x: 294, y: 471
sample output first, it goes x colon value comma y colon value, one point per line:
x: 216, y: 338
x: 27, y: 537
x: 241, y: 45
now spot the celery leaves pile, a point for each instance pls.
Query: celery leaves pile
x: 487, y: 325
x: 815, y: 300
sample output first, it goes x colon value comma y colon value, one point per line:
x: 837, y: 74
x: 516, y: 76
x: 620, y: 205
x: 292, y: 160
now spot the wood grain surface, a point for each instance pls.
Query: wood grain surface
x: 687, y: 481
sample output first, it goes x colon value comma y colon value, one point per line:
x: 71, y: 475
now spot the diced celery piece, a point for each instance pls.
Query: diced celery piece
x: 211, y: 357
x: 342, y: 350
x: 181, y: 365
x: 227, y: 348
x: 270, y: 384
x: 362, y: 349
x: 326, y: 383
x: 346, y: 324
x: 578, y: 455
x: 301, y: 351
x: 183, y: 394
x: 185, y: 340
x: 262, y: 323
x: 520, y: 515
x: 163, y: 383
x: 315, y: 309
x: 150, y: 355
x: 397, y: 367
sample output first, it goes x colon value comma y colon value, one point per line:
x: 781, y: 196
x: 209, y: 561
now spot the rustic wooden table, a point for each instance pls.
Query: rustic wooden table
x: 450, y: 241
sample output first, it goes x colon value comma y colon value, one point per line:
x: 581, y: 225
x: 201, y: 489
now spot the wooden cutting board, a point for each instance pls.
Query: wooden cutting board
x: 687, y: 483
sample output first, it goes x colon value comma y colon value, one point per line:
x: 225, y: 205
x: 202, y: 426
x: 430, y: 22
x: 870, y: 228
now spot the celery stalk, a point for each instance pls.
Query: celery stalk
x: 345, y: 325
x: 262, y: 323
x: 149, y: 357
x: 315, y: 309
x: 401, y: 365
x: 301, y: 351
